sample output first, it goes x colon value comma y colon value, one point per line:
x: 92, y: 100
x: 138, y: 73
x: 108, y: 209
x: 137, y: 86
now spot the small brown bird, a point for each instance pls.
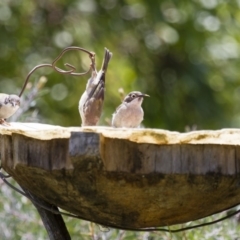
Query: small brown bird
x: 9, y: 104
x: 130, y: 113
x: 91, y: 102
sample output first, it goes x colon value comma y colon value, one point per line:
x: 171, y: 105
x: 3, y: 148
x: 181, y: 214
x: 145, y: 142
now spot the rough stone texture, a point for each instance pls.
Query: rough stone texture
x: 129, y: 178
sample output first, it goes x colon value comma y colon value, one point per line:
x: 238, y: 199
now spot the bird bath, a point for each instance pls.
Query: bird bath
x: 132, y: 178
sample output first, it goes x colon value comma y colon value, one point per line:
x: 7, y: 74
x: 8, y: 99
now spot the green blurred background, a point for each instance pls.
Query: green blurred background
x: 184, y: 54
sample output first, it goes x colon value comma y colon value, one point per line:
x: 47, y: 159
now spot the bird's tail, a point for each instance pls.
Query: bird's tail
x: 106, y: 60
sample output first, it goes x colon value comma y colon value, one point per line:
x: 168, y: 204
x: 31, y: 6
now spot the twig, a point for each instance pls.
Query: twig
x: 59, y: 70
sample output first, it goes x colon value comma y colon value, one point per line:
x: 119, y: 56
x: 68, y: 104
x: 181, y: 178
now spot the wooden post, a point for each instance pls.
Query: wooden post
x: 53, y: 223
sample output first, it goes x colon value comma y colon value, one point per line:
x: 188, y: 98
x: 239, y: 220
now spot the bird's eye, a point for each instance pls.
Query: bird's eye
x: 133, y: 95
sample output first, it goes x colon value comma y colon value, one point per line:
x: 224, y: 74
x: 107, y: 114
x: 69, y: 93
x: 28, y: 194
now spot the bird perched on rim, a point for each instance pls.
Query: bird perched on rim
x: 91, y: 102
x: 130, y: 113
x: 9, y: 104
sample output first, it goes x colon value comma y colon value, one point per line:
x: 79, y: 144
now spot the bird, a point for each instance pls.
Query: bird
x: 91, y: 101
x: 9, y: 104
x: 130, y: 113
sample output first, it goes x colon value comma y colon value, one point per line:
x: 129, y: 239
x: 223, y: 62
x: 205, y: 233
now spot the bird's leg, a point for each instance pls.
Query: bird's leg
x: 93, y: 64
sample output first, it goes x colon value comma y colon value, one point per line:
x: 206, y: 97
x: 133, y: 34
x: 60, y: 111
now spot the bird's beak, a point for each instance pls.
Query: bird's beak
x: 144, y: 95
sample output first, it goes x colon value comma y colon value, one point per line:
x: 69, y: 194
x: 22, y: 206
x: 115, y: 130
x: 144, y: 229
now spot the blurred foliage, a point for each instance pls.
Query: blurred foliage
x: 182, y: 53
